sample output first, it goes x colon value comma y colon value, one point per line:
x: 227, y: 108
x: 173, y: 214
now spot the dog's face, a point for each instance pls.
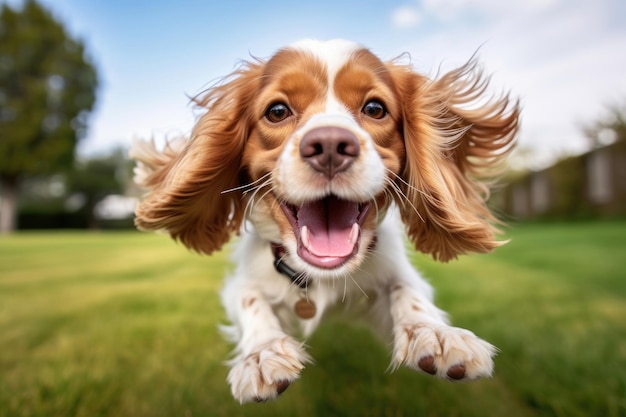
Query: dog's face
x: 327, y: 141
x: 315, y: 144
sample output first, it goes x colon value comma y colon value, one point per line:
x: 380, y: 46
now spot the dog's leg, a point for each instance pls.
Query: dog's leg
x: 266, y: 359
x: 424, y: 341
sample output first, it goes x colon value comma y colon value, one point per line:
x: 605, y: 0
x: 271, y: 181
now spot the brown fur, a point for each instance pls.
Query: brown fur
x: 186, y: 192
x: 450, y: 145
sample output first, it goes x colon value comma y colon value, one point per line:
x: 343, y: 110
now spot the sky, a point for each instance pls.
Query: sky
x: 564, y: 59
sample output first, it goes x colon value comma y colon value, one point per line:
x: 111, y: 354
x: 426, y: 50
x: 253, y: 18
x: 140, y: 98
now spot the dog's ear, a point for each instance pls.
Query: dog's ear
x: 186, y: 181
x: 455, y: 137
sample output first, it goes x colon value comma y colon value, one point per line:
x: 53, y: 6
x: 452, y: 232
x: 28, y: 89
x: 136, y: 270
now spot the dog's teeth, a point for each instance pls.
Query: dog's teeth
x: 304, y: 236
x: 354, y: 233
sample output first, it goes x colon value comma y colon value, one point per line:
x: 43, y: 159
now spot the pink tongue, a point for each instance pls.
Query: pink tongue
x: 330, y: 224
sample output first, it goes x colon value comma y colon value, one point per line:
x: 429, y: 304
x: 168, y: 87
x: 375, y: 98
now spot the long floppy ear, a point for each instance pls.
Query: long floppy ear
x: 455, y: 137
x: 186, y: 181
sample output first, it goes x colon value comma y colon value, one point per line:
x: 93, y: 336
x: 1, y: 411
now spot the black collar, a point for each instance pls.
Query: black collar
x: 297, y: 278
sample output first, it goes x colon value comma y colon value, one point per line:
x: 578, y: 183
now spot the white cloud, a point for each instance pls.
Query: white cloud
x: 406, y: 17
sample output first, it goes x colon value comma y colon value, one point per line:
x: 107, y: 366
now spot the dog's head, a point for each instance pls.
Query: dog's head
x: 314, y: 145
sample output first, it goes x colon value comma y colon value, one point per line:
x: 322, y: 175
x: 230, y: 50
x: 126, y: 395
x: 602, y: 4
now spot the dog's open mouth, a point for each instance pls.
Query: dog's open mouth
x: 328, y: 231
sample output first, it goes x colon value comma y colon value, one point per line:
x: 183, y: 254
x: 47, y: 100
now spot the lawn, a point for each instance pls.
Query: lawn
x: 125, y: 324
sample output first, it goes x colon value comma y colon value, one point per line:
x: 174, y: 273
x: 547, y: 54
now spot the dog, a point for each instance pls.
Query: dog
x: 325, y: 159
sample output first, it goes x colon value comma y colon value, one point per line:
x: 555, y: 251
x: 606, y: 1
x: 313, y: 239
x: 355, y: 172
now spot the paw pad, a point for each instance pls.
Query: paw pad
x: 456, y: 372
x: 427, y: 364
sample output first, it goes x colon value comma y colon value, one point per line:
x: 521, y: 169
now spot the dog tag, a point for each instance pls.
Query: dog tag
x: 305, y: 309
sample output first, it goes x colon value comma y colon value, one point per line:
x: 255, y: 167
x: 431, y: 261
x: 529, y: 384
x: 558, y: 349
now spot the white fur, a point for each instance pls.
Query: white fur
x: 334, y: 53
x: 266, y: 351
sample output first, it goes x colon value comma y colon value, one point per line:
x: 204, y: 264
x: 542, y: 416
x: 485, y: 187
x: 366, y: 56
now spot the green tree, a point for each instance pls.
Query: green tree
x: 47, y: 88
x: 608, y: 129
x: 97, y: 177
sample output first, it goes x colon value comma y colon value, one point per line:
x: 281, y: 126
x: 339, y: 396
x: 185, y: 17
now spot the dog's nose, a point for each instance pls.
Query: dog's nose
x: 329, y: 150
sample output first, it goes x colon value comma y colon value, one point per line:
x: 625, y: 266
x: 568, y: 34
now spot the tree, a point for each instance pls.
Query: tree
x: 47, y: 88
x: 609, y: 129
x: 97, y: 177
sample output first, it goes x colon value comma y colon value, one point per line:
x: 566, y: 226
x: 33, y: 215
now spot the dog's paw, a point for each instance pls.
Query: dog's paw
x: 266, y: 373
x: 443, y: 351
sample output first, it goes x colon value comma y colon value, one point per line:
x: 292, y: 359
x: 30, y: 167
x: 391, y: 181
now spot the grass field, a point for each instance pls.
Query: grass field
x: 125, y: 324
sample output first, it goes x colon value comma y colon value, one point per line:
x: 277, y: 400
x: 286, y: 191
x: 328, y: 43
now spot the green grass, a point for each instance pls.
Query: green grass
x: 125, y: 324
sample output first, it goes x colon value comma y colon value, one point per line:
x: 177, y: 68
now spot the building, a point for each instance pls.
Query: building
x: 584, y: 186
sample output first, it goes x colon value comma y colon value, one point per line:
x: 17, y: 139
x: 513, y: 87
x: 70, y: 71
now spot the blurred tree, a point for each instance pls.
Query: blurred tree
x: 609, y: 129
x: 47, y: 88
x: 68, y: 199
x: 93, y: 179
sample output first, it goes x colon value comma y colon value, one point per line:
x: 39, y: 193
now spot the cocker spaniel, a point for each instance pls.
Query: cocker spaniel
x: 319, y: 157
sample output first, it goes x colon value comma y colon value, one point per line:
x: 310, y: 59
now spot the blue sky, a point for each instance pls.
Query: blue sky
x: 565, y: 59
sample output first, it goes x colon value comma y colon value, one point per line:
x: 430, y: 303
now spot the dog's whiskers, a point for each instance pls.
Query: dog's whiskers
x: 254, y: 199
x: 357, y: 285
x: 255, y: 191
x: 410, y: 187
x: 402, y: 197
x: 248, y: 187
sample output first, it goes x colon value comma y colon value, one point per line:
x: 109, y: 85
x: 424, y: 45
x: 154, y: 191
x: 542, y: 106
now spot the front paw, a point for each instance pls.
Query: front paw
x: 266, y: 372
x: 443, y: 351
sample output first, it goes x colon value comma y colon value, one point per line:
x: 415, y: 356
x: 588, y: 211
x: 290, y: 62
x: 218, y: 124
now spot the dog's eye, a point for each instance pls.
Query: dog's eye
x: 277, y: 112
x: 374, y: 109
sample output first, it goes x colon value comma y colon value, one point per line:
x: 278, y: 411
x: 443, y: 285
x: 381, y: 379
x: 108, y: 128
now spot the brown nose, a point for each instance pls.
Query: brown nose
x: 329, y: 150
